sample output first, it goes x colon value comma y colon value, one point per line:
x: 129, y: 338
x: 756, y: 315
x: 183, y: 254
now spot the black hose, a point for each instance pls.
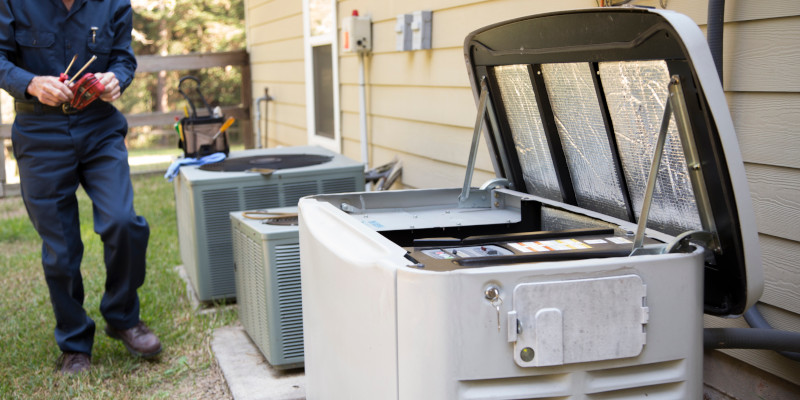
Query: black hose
x: 716, y: 19
x: 750, y: 338
x: 756, y: 320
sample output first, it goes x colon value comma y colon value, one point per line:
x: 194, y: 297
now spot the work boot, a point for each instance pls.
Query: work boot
x: 73, y: 363
x: 139, y: 340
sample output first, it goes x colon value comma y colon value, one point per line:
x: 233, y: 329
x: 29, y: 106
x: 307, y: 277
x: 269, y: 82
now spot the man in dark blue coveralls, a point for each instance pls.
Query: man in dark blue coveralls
x: 58, y: 148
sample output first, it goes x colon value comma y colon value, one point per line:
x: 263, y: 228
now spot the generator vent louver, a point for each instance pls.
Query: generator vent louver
x: 664, y: 380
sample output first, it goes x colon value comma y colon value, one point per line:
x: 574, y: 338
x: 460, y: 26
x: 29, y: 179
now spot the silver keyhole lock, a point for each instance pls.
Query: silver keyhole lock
x: 492, y: 293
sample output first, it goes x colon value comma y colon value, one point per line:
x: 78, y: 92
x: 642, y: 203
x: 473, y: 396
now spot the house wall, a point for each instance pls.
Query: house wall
x: 275, y: 43
x: 762, y: 83
x: 421, y: 109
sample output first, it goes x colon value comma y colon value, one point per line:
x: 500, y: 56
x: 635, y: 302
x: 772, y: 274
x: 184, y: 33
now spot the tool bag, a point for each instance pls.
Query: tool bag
x: 200, y: 134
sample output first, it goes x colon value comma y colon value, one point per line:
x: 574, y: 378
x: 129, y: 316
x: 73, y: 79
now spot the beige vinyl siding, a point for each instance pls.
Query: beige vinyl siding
x: 767, y: 126
x: 735, y: 10
x: 780, y: 277
x: 419, y: 103
x: 762, y: 81
x: 420, y: 108
x: 776, y: 199
x: 275, y: 42
x: 758, y: 49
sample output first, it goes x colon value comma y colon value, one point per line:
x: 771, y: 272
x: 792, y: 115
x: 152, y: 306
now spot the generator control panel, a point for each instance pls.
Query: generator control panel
x: 467, y: 251
x: 446, y: 254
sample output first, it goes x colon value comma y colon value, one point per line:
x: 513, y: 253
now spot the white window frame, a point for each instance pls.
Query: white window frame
x: 309, y: 42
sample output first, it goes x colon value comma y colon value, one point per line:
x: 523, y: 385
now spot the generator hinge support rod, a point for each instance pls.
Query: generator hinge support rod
x: 485, y: 106
x: 676, y: 105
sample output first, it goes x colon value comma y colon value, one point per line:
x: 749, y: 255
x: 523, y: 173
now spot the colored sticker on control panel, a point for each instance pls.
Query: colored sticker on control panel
x: 618, y: 240
x: 595, y: 241
x: 438, y: 254
x: 550, y: 245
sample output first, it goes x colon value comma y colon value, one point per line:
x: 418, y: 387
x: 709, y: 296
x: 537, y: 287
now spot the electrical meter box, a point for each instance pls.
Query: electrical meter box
x: 619, y: 215
x: 357, y: 34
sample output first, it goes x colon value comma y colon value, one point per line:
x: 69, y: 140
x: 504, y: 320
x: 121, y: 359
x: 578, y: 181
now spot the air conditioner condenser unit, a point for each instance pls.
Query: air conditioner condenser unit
x: 266, y: 252
x: 247, y: 180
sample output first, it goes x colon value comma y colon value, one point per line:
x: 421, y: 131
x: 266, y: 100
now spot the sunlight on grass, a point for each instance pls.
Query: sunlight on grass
x: 29, y: 350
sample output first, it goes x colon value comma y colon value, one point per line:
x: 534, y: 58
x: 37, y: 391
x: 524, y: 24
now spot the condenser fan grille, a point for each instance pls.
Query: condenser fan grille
x: 282, y: 161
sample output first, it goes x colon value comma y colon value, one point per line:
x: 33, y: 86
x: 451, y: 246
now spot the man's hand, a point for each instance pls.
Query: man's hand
x: 49, y: 90
x: 109, y: 80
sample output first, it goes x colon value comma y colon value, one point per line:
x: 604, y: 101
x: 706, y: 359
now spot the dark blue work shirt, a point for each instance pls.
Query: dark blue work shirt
x: 40, y: 37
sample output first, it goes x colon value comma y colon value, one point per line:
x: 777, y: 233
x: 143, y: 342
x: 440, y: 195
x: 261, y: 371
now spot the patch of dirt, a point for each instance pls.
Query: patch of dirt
x: 205, y: 384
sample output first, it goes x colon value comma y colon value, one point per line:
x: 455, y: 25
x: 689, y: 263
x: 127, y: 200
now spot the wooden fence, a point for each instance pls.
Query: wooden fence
x: 156, y: 64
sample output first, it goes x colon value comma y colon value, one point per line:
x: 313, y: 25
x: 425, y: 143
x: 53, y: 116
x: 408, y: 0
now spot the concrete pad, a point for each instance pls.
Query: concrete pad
x: 247, y: 372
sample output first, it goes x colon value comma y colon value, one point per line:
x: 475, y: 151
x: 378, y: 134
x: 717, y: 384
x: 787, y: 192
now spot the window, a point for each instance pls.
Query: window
x: 322, y: 77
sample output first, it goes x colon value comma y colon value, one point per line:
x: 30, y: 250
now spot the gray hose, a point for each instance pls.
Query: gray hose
x: 756, y: 320
x: 750, y: 338
x: 716, y: 19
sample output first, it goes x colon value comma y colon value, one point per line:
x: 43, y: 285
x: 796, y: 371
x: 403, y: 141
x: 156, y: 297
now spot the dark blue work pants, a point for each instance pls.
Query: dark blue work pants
x: 55, y: 154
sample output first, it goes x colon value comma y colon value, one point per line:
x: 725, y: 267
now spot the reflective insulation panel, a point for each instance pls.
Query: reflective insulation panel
x: 583, y: 134
x: 636, y: 93
x: 522, y: 113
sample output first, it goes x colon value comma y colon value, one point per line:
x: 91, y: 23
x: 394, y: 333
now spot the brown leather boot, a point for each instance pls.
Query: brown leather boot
x: 73, y: 363
x: 139, y: 340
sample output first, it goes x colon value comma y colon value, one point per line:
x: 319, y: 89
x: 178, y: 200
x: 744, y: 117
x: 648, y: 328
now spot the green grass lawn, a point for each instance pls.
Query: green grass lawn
x: 29, y: 351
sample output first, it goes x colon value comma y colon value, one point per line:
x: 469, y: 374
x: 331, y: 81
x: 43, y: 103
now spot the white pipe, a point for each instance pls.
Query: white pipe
x: 362, y: 105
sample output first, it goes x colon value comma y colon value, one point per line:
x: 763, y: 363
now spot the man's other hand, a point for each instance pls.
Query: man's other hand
x: 49, y: 90
x: 109, y: 80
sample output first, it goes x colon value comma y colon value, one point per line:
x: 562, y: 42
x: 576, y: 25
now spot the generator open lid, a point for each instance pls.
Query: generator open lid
x: 620, y: 111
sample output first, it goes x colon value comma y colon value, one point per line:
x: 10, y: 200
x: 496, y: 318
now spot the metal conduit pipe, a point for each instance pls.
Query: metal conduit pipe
x: 716, y: 19
x: 257, y: 106
x: 756, y: 320
x: 750, y: 338
x: 362, y: 111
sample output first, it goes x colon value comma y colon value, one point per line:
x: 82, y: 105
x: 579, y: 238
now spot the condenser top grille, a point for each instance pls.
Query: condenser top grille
x: 276, y: 161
